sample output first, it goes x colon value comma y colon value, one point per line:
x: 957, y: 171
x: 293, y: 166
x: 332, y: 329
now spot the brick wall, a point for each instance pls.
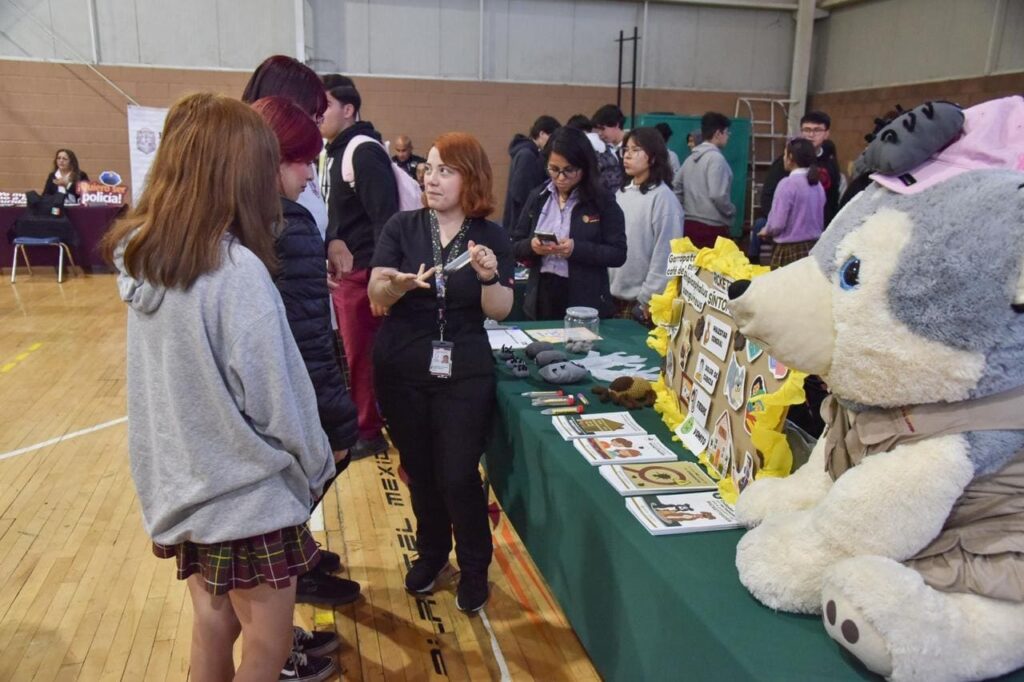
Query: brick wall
x: 853, y: 112
x: 44, y: 106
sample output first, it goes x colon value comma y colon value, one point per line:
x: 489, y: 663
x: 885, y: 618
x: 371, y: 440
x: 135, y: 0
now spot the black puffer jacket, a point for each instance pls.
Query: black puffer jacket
x: 302, y: 282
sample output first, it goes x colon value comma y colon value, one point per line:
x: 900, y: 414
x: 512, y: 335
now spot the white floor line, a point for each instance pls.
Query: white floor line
x: 498, y: 656
x: 316, y: 519
x: 66, y: 436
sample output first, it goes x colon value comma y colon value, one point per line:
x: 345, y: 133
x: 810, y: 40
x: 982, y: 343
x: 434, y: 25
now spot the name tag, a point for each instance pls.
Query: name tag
x: 441, y: 359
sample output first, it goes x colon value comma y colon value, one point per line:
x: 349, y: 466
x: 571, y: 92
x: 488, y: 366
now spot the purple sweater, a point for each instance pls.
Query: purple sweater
x: 798, y: 210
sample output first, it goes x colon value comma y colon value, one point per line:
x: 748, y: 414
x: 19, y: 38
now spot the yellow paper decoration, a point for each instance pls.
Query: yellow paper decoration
x: 726, y: 259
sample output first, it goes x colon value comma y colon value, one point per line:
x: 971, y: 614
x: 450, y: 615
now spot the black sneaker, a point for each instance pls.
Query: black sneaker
x: 368, y: 447
x: 315, y: 643
x: 330, y: 562
x: 472, y: 593
x: 319, y: 588
x: 424, y: 573
x: 303, y: 668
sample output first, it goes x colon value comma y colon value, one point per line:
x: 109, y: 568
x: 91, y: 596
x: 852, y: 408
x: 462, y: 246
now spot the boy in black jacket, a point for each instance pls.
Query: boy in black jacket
x: 526, y: 168
x: 356, y: 213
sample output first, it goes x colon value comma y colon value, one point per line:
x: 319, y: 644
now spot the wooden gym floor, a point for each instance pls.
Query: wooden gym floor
x: 83, y: 598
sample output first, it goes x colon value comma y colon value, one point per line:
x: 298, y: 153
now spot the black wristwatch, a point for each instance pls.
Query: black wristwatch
x: 492, y: 280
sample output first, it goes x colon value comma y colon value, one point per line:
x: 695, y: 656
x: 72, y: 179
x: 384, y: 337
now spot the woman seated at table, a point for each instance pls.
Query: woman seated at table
x: 65, y: 176
x: 569, y: 233
x: 432, y: 363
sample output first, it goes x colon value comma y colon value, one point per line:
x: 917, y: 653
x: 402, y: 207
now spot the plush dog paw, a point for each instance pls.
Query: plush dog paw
x: 782, y: 562
x: 848, y: 626
x: 768, y: 496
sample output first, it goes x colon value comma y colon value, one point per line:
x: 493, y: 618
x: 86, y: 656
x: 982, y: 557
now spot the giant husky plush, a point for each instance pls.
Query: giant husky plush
x: 906, y: 526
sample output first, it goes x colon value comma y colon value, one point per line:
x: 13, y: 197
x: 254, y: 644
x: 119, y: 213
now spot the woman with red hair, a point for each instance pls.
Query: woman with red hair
x: 302, y: 282
x: 433, y: 367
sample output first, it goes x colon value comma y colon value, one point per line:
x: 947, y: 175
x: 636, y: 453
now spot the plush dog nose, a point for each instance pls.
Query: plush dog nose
x: 737, y: 288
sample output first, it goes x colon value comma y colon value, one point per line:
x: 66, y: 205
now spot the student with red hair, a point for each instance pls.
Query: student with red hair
x: 433, y: 368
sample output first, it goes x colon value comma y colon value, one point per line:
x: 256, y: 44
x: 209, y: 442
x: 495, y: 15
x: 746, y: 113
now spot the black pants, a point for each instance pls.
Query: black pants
x: 552, y: 296
x: 440, y: 430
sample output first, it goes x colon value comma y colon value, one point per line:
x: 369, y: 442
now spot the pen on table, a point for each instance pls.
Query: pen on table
x: 543, y: 394
x: 566, y: 400
x: 578, y: 409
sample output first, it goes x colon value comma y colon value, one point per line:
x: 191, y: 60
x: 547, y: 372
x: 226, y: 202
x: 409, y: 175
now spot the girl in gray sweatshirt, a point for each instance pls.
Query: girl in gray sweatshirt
x: 224, y: 438
x: 653, y: 219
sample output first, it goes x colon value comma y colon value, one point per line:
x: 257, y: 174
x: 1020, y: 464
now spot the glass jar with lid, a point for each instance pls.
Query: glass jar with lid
x: 582, y: 324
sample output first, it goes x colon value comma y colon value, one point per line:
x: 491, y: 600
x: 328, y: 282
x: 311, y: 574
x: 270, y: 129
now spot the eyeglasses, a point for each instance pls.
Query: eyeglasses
x: 633, y: 151
x: 816, y: 130
x: 568, y: 172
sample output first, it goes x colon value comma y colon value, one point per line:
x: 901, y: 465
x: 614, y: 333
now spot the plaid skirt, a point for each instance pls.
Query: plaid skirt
x: 271, y: 559
x: 784, y: 254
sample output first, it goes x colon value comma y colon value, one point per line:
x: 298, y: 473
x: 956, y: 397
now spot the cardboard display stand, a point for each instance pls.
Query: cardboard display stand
x: 724, y: 397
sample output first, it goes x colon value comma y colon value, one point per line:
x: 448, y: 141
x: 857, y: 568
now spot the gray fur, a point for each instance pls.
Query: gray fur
x: 956, y: 277
x: 991, y: 450
x: 911, y: 138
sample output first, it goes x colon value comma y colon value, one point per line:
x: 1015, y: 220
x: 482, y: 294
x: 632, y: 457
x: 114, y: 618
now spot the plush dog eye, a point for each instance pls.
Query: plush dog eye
x: 849, y: 273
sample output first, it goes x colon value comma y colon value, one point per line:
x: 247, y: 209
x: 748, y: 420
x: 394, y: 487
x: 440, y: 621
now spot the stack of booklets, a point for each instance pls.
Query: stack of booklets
x: 624, y: 450
x: 688, y: 513
x: 667, y: 496
x: 605, y: 425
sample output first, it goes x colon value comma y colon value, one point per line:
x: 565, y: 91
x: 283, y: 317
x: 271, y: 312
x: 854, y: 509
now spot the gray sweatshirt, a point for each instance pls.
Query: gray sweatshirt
x: 703, y: 185
x: 653, y: 220
x: 224, y: 438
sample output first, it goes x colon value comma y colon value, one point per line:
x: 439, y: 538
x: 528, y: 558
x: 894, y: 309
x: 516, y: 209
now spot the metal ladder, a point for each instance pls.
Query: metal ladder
x: 769, y: 119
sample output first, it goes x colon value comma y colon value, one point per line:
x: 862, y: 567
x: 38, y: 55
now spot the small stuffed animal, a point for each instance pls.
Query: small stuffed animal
x: 536, y: 347
x: 564, y: 373
x: 547, y: 357
x: 629, y: 392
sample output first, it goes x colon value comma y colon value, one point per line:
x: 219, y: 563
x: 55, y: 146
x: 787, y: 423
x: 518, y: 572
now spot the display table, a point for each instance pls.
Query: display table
x: 644, y: 607
x: 91, y: 223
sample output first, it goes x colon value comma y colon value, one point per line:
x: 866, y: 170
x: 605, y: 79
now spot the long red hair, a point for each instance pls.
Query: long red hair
x: 215, y: 173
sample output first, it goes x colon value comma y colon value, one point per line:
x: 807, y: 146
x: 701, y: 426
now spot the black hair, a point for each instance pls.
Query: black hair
x: 579, y: 122
x: 336, y: 80
x: 819, y: 117
x: 574, y: 145
x: 609, y: 116
x: 543, y: 124
x: 804, y: 156
x: 665, y: 130
x: 347, y: 94
x: 711, y: 123
x: 651, y: 142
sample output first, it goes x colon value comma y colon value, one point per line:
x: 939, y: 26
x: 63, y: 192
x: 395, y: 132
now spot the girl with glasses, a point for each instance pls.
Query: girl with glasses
x: 569, y: 233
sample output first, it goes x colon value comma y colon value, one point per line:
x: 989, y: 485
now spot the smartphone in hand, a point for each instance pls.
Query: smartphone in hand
x: 546, y: 237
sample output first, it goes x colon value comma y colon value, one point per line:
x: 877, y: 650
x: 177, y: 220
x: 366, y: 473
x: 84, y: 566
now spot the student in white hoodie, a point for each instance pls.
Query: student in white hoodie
x: 653, y: 219
x: 224, y: 437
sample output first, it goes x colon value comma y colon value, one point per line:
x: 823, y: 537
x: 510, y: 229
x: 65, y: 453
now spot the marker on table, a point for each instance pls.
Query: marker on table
x: 543, y: 394
x: 578, y: 409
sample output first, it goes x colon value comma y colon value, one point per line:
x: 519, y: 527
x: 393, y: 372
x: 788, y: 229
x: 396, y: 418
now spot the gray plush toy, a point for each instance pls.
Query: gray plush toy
x: 564, y: 373
x: 547, y: 357
x: 910, y: 139
x: 905, y: 528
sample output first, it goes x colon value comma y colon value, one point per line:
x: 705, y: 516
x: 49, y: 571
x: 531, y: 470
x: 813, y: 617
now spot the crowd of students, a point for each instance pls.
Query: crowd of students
x: 243, y: 268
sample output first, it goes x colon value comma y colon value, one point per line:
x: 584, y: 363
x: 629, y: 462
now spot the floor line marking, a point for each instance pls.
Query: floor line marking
x: 498, y: 656
x: 61, y: 439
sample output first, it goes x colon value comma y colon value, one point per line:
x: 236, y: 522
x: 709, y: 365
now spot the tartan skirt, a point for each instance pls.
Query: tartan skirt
x: 784, y: 254
x: 271, y: 559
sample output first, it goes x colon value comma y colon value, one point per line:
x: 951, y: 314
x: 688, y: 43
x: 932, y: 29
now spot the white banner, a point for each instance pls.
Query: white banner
x: 145, y: 125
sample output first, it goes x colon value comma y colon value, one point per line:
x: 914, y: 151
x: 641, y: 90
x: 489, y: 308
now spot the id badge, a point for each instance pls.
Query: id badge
x: 441, y: 359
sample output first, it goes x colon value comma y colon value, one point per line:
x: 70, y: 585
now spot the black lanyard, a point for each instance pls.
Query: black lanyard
x: 440, y: 283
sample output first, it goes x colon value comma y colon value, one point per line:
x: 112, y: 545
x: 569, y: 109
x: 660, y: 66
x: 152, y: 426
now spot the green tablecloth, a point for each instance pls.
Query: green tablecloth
x: 645, y: 607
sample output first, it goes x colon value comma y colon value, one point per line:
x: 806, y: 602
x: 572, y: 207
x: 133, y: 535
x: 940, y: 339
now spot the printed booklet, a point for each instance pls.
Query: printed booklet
x: 653, y: 479
x: 602, y: 425
x: 624, y: 450
x: 687, y: 513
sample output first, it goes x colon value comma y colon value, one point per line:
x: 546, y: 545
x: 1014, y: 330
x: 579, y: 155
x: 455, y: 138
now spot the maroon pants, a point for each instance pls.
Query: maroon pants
x: 703, y: 235
x: 358, y: 328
